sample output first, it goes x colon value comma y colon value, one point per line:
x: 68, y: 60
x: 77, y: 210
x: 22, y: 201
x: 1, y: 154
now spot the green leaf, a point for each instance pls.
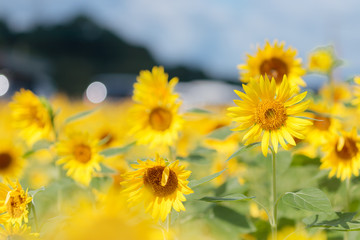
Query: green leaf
x: 311, y: 199
x: 227, y: 198
x: 116, y: 150
x: 220, y: 133
x: 199, y: 155
x: 107, y: 170
x: 34, y: 192
x: 195, y: 183
x: 79, y: 115
x: 337, y: 221
x: 198, y: 110
x: 41, y: 144
x: 232, y: 217
x: 243, y: 149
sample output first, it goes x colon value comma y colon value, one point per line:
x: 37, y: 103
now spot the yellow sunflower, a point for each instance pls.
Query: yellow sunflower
x: 292, y: 233
x: 11, y: 161
x: 321, y: 60
x: 30, y: 116
x: 337, y: 93
x: 109, y: 218
x: 17, y: 232
x: 155, y: 117
x: 154, y: 83
x: 275, y: 62
x: 159, y: 185
x: 270, y: 116
x: 325, y: 124
x: 80, y: 155
x: 13, y: 203
x: 342, y: 155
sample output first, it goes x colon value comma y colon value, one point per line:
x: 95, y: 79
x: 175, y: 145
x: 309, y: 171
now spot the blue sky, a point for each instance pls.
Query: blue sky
x: 212, y: 35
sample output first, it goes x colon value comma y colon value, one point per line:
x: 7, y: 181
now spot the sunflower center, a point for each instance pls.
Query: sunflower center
x: 5, y: 160
x: 323, y: 123
x: 274, y: 68
x: 270, y: 114
x: 15, y: 204
x: 82, y: 153
x: 348, y: 151
x: 152, y: 180
x: 160, y: 119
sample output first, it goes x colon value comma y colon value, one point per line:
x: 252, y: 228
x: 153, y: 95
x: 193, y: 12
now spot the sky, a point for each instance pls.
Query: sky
x: 214, y: 35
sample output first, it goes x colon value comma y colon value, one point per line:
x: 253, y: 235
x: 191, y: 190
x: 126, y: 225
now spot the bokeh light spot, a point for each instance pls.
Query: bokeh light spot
x: 96, y: 92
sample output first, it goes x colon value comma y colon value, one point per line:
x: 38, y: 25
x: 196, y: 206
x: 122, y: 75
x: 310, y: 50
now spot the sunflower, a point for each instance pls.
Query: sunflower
x: 155, y: 117
x: 14, y: 203
x: 156, y: 84
x: 342, y: 155
x: 31, y: 116
x: 270, y: 116
x: 20, y: 232
x: 11, y: 161
x: 325, y: 123
x: 321, y: 60
x: 275, y: 62
x: 337, y: 93
x: 159, y: 185
x: 80, y: 155
x: 292, y: 233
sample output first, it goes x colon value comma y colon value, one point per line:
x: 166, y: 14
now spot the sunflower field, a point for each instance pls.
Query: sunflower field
x: 280, y: 162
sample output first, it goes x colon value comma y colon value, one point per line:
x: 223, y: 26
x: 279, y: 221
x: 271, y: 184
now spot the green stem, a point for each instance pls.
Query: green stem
x: 348, y: 197
x: 348, y: 201
x: 35, y: 217
x: 172, y: 153
x: 273, y: 197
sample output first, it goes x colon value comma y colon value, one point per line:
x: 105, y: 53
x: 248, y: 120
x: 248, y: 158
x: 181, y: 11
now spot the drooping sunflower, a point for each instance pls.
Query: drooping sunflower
x: 275, y: 62
x: 270, y: 114
x: 159, y: 185
x: 20, y: 232
x: 80, y: 155
x: 11, y: 161
x: 155, y: 116
x: 31, y: 116
x: 14, y: 202
x: 342, y: 155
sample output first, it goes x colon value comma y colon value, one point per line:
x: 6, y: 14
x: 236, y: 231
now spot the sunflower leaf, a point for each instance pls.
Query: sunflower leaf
x: 106, y: 169
x: 110, y: 152
x: 229, y: 218
x: 338, y: 221
x: 195, y: 183
x: 311, y: 199
x: 227, y: 198
x: 243, y: 149
x: 220, y: 133
x: 41, y: 144
x: 79, y: 115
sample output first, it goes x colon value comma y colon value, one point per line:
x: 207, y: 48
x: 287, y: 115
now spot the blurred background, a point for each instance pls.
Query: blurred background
x: 52, y: 46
